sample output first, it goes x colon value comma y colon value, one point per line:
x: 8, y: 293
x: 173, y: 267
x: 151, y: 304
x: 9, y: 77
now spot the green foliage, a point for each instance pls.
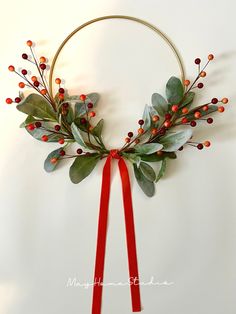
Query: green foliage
x: 28, y: 120
x: 97, y: 130
x: 147, y: 171
x: 146, y: 185
x: 133, y: 158
x: 146, y: 118
x: 173, y: 141
x: 187, y: 100
x: 174, y: 90
x: 37, y: 106
x: 149, y: 148
x: 37, y: 133
x: 48, y: 166
x: 156, y: 158
x: 77, y: 136
x: 83, y: 166
x: 160, y: 104
x: 162, y: 170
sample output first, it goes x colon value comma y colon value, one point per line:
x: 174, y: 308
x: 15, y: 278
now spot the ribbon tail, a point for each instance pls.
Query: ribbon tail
x: 101, y: 238
x: 130, y: 237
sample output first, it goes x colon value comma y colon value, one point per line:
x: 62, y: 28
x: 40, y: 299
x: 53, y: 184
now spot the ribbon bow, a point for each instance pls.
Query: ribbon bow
x: 102, y: 234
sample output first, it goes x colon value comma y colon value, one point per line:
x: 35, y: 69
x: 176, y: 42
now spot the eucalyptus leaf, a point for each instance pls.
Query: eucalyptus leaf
x: 36, y: 105
x: 37, y: 133
x: 156, y: 158
x: 173, y: 141
x: 81, y: 107
x: 162, y: 170
x: 147, y: 171
x: 160, y: 104
x: 149, y: 148
x: 174, y: 90
x: 28, y: 120
x: 82, y: 167
x: 48, y: 166
x: 97, y: 130
x: 77, y: 136
x: 134, y: 158
x: 190, y: 115
x: 188, y: 99
x: 146, y: 118
x: 146, y: 185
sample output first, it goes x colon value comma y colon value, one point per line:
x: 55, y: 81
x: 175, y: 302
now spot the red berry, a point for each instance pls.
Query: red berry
x: 225, y: 100
x: 24, y: 56
x: 11, y: 68
x: 184, y: 120
x: 61, y: 96
x: 9, y: 101
x: 61, y: 90
x: 57, y: 127
x: 197, y: 61
x: 29, y: 43
x: 53, y: 160
x: 221, y: 109
x: 61, y: 141
x: 175, y: 108
x: 140, y: 131
x: 66, y: 105
x: 205, y: 108
x: 154, y: 131
x: 92, y: 114
x: 58, y: 81
x: 82, y: 97
x: 31, y: 127
x: 79, y: 151
x: 210, y: 57
x: 167, y: 123
x: 197, y: 114
x: 21, y: 84
x: 141, y: 122
x: 214, y: 101
x: 44, y: 138
x: 155, y: 118
x: 83, y: 121
x: 24, y: 72
x: 130, y: 134
x: 162, y: 131
x: 185, y: 110
x: 200, y: 146
x: 90, y: 105
x: 210, y: 120
x: 38, y: 124
x: 207, y: 143
x: 62, y: 152
x: 193, y: 123
x: 42, y: 66
x: 36, y: 83
x: 200, y: 85
x: 17, y: 100
x: 168, y: 116
x: 127, y: 139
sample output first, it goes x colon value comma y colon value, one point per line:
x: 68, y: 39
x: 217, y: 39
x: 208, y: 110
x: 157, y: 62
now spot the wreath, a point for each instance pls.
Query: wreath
x: 166, y: 125
x: 165, y: 128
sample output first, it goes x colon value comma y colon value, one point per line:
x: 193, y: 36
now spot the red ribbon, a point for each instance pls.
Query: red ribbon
x: 102, y: 234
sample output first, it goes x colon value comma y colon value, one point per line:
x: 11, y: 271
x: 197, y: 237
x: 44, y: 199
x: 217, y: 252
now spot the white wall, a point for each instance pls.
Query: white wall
x: 186, y: 233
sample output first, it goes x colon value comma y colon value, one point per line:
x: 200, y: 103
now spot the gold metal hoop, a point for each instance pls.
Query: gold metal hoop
x: 155, y: 29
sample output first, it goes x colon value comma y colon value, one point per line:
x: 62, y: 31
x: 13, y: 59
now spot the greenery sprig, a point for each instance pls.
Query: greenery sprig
x: 165, y: 127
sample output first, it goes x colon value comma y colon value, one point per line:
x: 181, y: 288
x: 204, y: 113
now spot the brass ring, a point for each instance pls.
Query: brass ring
x: 155, y: 29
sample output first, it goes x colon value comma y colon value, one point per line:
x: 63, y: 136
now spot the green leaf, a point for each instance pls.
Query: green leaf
x: 147, y: 171
x: 77, y: 136
x: 162, y: 170
x: 135, y: 159
x: 173, y: 141
x: 28, y: 120
x: 190, y: 115
x: 160, y: 104
x: 70, y: 115
x: 174, y: 90
x: 37, y: 133
x: 146, y: 118
x: 82, y: 167
x: 35, y: 105
x: 156, y: 158
x: 80, y: 107
x: 48, y: 166
x: 148, y: 148
x: 146, y: 185
x: 188, y: 99
x: 97, y: 130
